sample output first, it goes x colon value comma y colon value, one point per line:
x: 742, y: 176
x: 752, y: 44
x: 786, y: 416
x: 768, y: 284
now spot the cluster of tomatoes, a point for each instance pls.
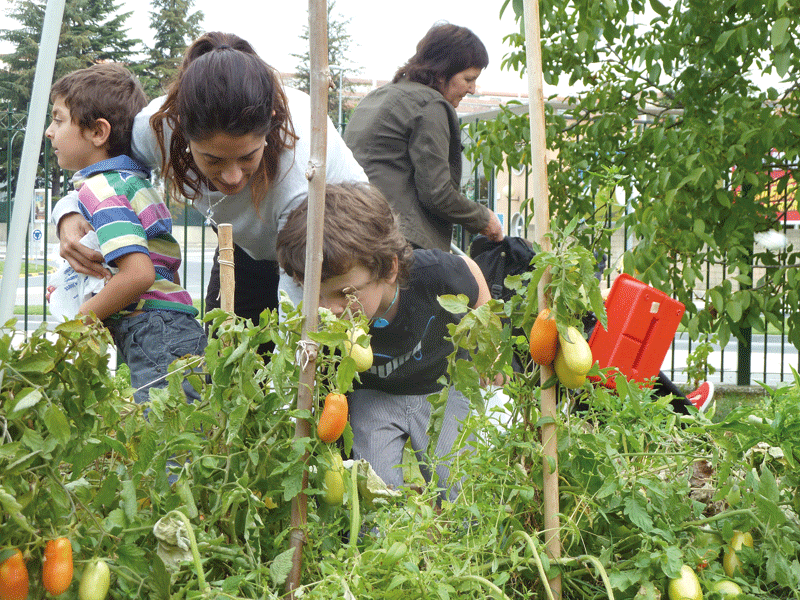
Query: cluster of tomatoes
x: 569, y: 354
x: 57, y: 573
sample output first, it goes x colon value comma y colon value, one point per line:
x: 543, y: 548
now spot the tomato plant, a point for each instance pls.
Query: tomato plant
x: 195, y: 499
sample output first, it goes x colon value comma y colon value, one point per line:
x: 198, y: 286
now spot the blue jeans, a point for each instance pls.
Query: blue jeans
x: 150, y: 341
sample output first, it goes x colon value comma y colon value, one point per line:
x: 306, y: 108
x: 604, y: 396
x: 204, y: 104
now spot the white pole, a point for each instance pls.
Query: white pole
x: 26, y: 180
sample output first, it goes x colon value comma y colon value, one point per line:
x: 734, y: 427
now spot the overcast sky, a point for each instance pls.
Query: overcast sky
x: 384, y: 34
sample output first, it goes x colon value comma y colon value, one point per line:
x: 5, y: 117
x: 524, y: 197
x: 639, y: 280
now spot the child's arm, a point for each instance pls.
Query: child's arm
x: 135, y: 276
x: 484, y: 295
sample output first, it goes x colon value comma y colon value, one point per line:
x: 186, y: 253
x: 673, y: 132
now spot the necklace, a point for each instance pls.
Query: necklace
x: 209, y: 219
x: 380, y: 322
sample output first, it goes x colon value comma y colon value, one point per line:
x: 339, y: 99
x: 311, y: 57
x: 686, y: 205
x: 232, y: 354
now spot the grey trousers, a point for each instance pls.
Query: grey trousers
x: 383, y: 422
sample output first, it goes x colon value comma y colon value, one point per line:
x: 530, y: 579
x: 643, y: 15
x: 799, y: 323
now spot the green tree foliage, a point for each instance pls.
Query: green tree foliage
x: 91, y: 31
x: 339, y: 42
x: 175, y: 27
x: 671, y: 111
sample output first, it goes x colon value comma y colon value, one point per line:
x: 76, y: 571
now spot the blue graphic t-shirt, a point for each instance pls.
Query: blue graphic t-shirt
x: 410, y: 354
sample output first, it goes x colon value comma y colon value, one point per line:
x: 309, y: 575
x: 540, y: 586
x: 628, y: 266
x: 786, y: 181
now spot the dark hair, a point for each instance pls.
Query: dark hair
x: 103, y: 91
x: 444, y: 51
x: 222, y: 86
x: 359, y: 229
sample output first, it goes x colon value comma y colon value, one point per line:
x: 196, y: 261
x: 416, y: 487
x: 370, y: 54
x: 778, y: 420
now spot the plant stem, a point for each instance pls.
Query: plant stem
x: 201, y: 578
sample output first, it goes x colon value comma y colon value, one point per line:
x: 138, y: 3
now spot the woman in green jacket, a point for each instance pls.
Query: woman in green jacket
x: 406, y: 136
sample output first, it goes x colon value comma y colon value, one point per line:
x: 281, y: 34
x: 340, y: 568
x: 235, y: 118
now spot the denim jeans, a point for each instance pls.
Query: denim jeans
x: 150, y: 341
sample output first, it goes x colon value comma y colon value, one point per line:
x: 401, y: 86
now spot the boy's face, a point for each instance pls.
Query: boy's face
x: 359, y: 289
x: 73, y: 146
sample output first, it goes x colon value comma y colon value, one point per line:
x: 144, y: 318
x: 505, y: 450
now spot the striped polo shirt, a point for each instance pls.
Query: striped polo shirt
x: 129, y: 215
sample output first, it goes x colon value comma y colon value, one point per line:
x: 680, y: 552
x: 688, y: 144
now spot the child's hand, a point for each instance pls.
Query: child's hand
x: 50, y: 290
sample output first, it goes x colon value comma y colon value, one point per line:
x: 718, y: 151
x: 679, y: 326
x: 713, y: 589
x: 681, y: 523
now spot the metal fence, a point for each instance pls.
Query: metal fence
x: 768, y: 358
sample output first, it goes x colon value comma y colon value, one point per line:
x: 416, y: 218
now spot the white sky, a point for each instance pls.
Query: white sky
x: 384, y: 35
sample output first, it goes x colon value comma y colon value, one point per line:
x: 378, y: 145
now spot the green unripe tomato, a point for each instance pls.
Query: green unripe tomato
x: 686, y: 586
x: 728, y: 589
x: 333, y: 481
x: 95, y: 581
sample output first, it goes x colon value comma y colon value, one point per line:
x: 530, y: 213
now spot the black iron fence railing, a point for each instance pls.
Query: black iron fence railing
x: 768, y: 358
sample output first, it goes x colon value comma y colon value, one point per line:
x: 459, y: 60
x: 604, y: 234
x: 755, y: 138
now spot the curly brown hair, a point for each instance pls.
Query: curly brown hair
x: 222, y: 86
x: 359, y: 229
x: 103, y: 91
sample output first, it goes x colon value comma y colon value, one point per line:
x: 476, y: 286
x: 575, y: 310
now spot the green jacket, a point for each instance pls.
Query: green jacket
x: 406, y: 136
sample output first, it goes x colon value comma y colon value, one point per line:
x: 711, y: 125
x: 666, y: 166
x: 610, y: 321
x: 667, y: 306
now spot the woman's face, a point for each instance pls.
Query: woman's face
x: 460, y: 84
x: 228, y: 162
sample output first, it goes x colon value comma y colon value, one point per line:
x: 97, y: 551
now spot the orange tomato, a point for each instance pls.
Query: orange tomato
x: 543, y: 340
x: 14, y: 578
x: 57, y: 566
x: 333, y: 418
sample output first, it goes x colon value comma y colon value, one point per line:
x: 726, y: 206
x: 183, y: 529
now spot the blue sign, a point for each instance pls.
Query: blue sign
x: 37, y: 235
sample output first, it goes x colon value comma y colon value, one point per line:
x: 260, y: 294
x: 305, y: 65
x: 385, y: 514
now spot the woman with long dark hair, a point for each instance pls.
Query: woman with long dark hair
x: 235, y: 144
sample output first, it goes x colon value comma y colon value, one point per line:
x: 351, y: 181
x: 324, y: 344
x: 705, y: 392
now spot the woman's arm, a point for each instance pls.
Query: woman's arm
x: 70, y: 230
x: 430, y: 146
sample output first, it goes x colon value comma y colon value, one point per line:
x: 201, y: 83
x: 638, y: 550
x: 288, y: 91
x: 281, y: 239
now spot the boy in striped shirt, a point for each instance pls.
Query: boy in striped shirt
x: 149, y: 314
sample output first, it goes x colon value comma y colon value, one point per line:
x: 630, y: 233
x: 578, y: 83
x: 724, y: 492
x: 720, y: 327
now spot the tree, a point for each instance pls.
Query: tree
x: 338, y: 46
x: 672, y: 111
x: 175, y: 28
x: 91, y: 31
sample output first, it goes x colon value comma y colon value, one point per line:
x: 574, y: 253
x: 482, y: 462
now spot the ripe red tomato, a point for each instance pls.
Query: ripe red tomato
x: 14, y: 578
x: 57, y: 566
x: 333, y: 418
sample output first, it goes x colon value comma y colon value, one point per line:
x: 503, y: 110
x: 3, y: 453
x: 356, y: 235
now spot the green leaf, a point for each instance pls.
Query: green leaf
x: 782, y: 62
x: 733, y: 308
x: 638, y: 514
x: 281, y: 566
x: 128, y: 497
x: 35, y: 364
x: 27, y: 398
x: 768, y: 486
x: 661, y: 10
x: 722, y: 40
x: 57, y: 423
x: 779, y: 34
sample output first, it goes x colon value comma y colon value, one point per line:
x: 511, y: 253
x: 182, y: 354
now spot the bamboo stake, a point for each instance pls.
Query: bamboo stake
x: 541, y: 196
x: 227, y: 283
x: 318, y: 38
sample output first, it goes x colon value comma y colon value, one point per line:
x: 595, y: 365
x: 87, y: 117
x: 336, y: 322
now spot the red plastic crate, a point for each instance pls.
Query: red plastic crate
x: 642, y: 322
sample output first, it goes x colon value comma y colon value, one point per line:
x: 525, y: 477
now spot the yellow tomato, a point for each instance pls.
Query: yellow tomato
x: 731, y: 562
x: 360, y: 354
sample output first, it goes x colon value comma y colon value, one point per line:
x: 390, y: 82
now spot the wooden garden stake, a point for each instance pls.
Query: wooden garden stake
x: 541, y: 213
x: 227, y: 284
x: 318, y: 39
